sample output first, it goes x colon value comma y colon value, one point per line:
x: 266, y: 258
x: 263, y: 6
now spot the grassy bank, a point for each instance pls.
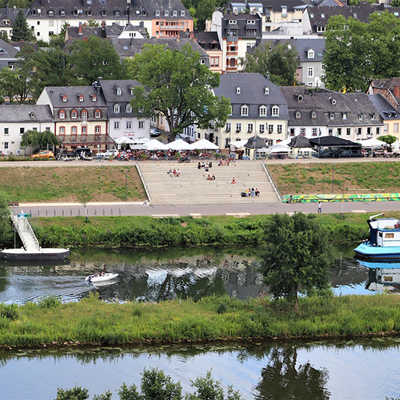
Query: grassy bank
x: 371, y: 177
x: 140, y: 232
x: 52, y: 184
x: 92, y: 322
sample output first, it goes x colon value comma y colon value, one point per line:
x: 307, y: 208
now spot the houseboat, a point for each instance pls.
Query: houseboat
x: 383, y: 242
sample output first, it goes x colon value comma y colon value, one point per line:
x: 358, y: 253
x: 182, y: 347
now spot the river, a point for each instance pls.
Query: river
x: 159, y: 275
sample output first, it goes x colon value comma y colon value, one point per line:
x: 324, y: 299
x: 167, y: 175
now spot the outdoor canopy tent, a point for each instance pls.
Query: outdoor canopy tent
x: 203, y: 144
x: 300, y: 142
x: 280, y: 148
x: 179, y: 145
x: 333, y: 141
x: 124, y: 140
x: 372, y: 143
x: 154, y: 145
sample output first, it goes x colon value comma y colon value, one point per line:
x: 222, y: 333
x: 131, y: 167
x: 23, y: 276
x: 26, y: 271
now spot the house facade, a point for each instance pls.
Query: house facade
x: 161, y: 18
x: 80, y: 116
x: 122, y: 121
x: 16, y: 119
x: 258, y: 109
x: 209, y: 42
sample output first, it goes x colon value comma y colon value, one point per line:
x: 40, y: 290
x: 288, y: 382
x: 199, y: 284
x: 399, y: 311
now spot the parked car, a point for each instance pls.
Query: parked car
x: 43, y: 155
x: 154, y: 132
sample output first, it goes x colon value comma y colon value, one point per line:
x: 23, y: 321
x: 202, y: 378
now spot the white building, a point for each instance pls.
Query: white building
x: 16, y: 119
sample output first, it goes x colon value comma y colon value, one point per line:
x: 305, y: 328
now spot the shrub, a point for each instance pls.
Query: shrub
x: 49, y: 302
x: 221, y: 309
x: 8, y: 312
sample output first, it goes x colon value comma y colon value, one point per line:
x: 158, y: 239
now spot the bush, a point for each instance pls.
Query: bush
x: 222, y: 309
x: 49, y: 302
x: 9, y: 312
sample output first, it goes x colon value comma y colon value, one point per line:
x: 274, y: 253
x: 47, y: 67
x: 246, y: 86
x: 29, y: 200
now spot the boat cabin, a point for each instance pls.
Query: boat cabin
x: 384, y: 232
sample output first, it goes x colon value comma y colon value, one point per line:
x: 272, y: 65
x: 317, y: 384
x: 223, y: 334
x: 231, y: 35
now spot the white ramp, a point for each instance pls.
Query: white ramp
x: 25, y: 232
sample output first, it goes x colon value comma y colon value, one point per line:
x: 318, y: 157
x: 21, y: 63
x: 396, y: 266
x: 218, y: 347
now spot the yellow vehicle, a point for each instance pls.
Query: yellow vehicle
x: 43, y: 155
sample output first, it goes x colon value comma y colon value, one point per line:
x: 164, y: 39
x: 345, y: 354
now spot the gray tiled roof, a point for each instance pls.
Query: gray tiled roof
x: 252, y: 93
x: 7, y: 51
x: 55, y: 94
x: 9, y: 14
x: 385, y: 109
x: 85, y: 31
x: 241, y: 29
x: 208, y: 40
x: 25, y: 113
x: 276, y: 5
x: 139, y: 9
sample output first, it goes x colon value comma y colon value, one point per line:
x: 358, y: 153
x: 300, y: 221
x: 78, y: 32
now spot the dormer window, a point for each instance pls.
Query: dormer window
x: 238, y: 90
x: 344, y: 116
x: 97, y: 114
x: 182, y: 13
x: 232, y: 22
x: 166, y: 13
x: 360, y: 117
x: 103, y: 13
x: 175, y: 13
x: 50, y: 13
x: 251, y: 22
x: 128, y: 108
x: 263, y: 111
x: 244, y: 111
x: 74, y: 114
x: 62, y: 12
x: 131, y: 91
x: 157, y: 13
x: 310, y: 54
x: 117, y: 108
x: 300, y: 98
x: 119, y: 91
x: 266, y: 91
x: 298, y: 114
x: 94, y: 97
x: 117, y: 13
x: 322, y: 15
x: 313, y: 115
x: 61, y: 114
x: 284, y: 11
x: 275, y: 111
x: 81, y: 98
x: 84, y: 114
x: 64, y: 98
x: 332, y: 116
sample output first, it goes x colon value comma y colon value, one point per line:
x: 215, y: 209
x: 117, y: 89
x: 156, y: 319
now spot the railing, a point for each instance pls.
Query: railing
x: 25, y: 232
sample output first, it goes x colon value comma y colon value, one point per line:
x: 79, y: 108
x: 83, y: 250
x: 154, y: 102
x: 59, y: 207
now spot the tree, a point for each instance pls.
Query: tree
x: 5, y: 229
x: 279, y: 64
x: 388, y: 139
x: 39, y: 140
x: 177, y: 87
x: 20, y: 30
x: 14, y: 84
x: 297, y: 256
x: 94, y: 58
x: 76, y: 393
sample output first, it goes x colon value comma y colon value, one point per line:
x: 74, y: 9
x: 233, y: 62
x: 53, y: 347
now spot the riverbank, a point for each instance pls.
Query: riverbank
x: 92, y: 322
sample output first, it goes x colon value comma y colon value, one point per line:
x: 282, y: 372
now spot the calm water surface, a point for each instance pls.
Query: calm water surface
x: 153, y: 276
x: 312, y: 372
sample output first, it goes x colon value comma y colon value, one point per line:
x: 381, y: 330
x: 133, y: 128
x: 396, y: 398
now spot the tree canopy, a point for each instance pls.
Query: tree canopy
x: 201, y: 10
x: 297, y: 256
x: 20, y: 29
x: 177, y: 87
x: 278, y: 63
x: 357, y: 52
x: 388, y: 139
x: 39, y: 140
x: 14, y: 84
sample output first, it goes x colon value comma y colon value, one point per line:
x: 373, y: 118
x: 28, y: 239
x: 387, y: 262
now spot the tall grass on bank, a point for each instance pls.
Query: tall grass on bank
x: 141, y: 232
x: 93, y: 322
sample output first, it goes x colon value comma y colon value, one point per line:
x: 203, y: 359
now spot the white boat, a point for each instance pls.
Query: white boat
x: 107, y: 276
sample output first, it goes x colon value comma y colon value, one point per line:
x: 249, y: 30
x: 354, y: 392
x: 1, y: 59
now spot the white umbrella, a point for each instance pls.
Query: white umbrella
x: 204, y: 144
x: 280, y: 148
x: 239, y: 144
x: 179, y: 145
x: 372, y: 143
x: 155, y: 144
x: 124, y: 140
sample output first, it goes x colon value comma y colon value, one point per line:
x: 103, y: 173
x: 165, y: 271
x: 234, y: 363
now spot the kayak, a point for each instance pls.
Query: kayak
x: 108, y: 276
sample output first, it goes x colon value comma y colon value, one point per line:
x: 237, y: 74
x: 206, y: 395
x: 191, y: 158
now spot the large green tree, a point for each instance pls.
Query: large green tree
x: 39, y: 140
x: 278, y: 63
x: 15, y: 84
x: 20, y: 29
x: 178, y: 87
x: 297, y: 256
x: 94, y: 58
x: 357, y: 52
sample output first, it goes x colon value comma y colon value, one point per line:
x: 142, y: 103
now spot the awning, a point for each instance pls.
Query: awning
x: 203, y: 144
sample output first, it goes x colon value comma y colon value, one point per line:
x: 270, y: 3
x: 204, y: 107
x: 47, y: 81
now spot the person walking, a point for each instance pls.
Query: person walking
x: 319, y: 207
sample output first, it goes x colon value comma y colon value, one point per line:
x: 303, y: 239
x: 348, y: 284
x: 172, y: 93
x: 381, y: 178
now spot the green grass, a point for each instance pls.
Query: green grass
x: 93, y: 322
x: 369, y: 177
x: 56, y: 184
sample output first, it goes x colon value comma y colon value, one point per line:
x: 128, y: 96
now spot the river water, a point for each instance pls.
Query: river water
x: 159, y: 275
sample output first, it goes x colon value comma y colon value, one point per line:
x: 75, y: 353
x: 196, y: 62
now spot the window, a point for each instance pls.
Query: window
x: 116, y: 108
x: 244, y: 111
x: 359, y: 131
x: 360, y: 117
x: 141, y: 124
x: 284, y: 11
x: 166, y: 13
x: 81, y: 98
x: 238, y: 127
x: 263, y: 111
x: 395, y: 127
x: 270, y: 129
x: 97, y: 114
x: 339, y: 131
x: 261, y: 128
x: 128, y: 124
x: 128, y: 108
x: 5, y: 145
x: 116, y: 124
x: 266, y: 91
x: 74, y: 130
x: 302, y: 131
x: 34, y: 129
x: 249, y: 128
x: 314, y: 132
x: 238, y: 90
x: 275, y: 111
x: 182, y: 13
x: 97, y: 129
x: 157, y: 13
x: 313, y: 115
x: 385, y: 128
x: 279, y: 128
x: 377, y: 131
x: 84, y: 114
x: 368, y: 131
x: 232, y: 22
x: 344, y: 116
x: 298, y: 115
x: 6, y: 131
x: 228, y: 127
x: 94, y: 97
x: 310, y: 72
x: 74, y: 114
x: 291, y: 131
x: 227, y: 142
x: 84, y: 130
x: 175, y: 13
x: 310, y: 53
x: 332, y: 115
x: 119, y: 91
x: 348, y: 131
x: 21, y: 130
x: 61, y: 114
x: 61, y: 130
x: 64, y: 99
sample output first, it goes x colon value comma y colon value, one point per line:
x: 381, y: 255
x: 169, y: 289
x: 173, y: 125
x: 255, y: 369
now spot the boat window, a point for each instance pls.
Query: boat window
x: 389, y: 235
x: 388, y: 278
x: 380, y: 234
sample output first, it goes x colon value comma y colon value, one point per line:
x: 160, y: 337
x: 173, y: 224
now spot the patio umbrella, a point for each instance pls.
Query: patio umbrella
x: 179, y: 145
x: 280, y: 148
x: 204, y: 144
x: 372, y: 143
x: 155, y: 144
x: 124, y: 140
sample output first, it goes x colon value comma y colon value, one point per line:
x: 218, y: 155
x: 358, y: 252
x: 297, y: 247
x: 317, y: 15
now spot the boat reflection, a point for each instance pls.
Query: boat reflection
x: 383, y: 277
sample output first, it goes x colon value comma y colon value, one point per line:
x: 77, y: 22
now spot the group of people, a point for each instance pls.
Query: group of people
x: 253, y: 192
x: 204, y: 165
x: 227, y: 162
x: 174, y: 173
x: 211, y: 177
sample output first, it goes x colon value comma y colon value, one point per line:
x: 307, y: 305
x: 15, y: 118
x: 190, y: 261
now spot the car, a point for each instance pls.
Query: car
x: 154, y: 132
x: 43, y: 155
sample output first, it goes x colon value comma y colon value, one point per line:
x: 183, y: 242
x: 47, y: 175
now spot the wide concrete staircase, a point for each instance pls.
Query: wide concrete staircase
x: 192, y: 186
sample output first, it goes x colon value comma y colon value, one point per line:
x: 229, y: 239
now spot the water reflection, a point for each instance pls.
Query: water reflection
x: 383, y: 277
